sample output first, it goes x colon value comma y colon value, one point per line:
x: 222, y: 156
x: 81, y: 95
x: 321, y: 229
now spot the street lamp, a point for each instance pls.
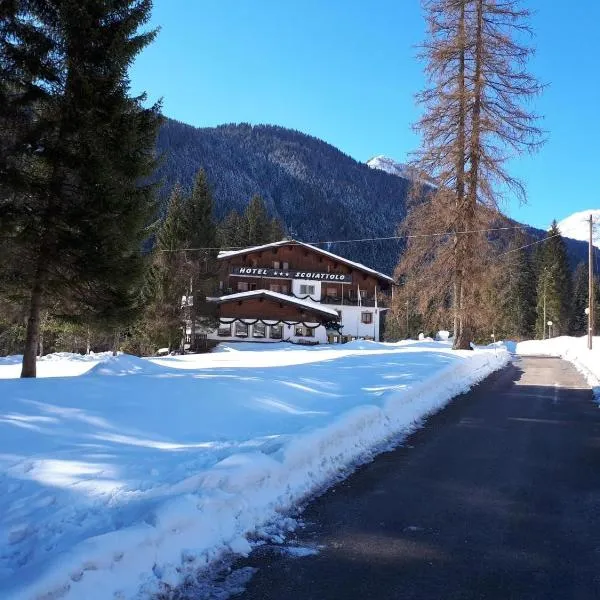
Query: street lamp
x: 549, y: 329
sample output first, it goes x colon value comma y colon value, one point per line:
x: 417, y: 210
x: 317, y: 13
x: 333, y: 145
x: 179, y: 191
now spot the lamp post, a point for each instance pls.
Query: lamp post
x: 550, y: 329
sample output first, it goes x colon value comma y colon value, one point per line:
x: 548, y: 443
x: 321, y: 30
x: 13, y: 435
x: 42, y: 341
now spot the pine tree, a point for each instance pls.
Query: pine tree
x: 276, y: 230
x: 257, y: 223
x: 579, y: 321
x: 554, y: 285
x: 167, y: 278
x: 230, y: 232
x: 74, y: 160
x: 202, y: 259
x: 517, y: 291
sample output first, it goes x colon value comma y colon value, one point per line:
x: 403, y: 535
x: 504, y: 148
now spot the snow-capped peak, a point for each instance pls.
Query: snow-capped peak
x: 576, y: 226
x: 389, y: 165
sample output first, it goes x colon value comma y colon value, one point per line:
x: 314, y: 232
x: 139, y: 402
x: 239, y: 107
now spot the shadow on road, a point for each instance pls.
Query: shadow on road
x: 497, y: 496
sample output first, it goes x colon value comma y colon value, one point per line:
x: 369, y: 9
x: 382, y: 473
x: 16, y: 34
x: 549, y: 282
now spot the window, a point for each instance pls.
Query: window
x: 285, y: 288
x: 331, y: 291
x: 366, y: 317
x: 241, y: 329
x: 275, y: 287
x: 276, y: 264
x: 307, y: 290
x: 259, y: 330
x: 276, y: 332
x: 285, y: 266
x: 242, y: 286
x: 302, y: 331
x: 224, y: 330
x: 252, y: 286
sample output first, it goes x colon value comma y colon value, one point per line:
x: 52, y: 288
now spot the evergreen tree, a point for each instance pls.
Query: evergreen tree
x: 553, y: 285
x: 73, y: 162
x: 579, y: 320
x: 257, y: 223
x: 230, y: 232
x: 200, y: 222
x: 518, y: 291
x: 167, y: 279
x: 276, y: 230
x: 597, y: 306
x: 202, y: 259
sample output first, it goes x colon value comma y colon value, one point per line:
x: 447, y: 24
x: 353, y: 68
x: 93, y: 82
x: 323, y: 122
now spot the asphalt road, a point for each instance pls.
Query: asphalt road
x: 497, y: 497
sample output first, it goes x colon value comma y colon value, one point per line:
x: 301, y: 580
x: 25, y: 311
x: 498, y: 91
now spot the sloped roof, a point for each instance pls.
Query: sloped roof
x: 360, y: 267
x: 304, y: 304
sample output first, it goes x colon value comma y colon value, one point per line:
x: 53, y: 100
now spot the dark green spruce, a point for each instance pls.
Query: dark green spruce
x: 74, y: 161
x: 553, y: 286
x: 202, y: 257
x: 519, y: 309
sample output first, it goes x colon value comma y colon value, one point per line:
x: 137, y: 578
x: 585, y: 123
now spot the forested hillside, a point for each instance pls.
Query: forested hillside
x: 318, y: 192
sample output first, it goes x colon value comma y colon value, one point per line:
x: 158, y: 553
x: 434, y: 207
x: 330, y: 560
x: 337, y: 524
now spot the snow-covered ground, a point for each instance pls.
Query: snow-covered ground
x: 573, y: 349
x: 119, y: 476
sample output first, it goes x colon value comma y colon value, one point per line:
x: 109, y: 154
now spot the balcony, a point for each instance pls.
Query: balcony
x: 368, y: 301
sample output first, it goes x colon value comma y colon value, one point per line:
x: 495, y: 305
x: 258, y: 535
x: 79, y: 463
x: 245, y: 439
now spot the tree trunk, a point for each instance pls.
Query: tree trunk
x: 193, y: 333
x: 463, y: 339
x: 463, y: 342
x: 41, y: 342
x: 459, y: 254
x: 116, y: 342
x: 88, y: 342
x: 33, y: 329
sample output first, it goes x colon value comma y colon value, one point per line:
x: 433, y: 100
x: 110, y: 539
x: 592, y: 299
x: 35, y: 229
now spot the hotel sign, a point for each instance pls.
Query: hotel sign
x: 291, y: 274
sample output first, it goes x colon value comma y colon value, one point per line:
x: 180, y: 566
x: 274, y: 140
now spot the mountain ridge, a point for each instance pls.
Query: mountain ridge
x: 318, y: 192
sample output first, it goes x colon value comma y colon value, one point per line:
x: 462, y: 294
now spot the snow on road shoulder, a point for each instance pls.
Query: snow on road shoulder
x: 573, y: 349
x: 131, y: 477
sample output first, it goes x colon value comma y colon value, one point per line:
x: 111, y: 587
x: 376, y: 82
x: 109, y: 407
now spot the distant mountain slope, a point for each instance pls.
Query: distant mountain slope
x: 317, y: 191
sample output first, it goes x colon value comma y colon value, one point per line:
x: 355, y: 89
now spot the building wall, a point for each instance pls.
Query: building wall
x: 296, y: 288
x: 351, y: 320
x: 289, y: 335
x: 352, y: 325
x: 264, y: 308
x: 298, y: 259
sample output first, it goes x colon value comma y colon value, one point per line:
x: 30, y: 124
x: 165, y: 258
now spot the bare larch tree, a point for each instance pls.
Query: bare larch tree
x: 475, y: 119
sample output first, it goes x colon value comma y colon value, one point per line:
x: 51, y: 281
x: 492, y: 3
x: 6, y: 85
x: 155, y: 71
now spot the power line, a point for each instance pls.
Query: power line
x: 359, y: 240
x: 528, y: 245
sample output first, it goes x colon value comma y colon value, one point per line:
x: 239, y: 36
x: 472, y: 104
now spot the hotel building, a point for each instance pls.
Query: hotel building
x: 293, y: 291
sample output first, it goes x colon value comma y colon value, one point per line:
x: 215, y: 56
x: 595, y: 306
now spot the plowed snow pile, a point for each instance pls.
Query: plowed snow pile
x: 124, y: 479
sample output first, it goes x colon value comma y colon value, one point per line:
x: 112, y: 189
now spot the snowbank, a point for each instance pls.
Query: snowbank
x: 573, y: 349
x: 132, y: 476
x: 58, y: 364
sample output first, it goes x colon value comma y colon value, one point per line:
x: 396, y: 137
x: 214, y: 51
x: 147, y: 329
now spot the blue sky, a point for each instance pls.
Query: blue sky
x: 345, y: 71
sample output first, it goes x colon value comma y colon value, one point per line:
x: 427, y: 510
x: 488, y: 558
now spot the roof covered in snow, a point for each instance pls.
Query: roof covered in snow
x: 360, y: 267
x: 304, y: 304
